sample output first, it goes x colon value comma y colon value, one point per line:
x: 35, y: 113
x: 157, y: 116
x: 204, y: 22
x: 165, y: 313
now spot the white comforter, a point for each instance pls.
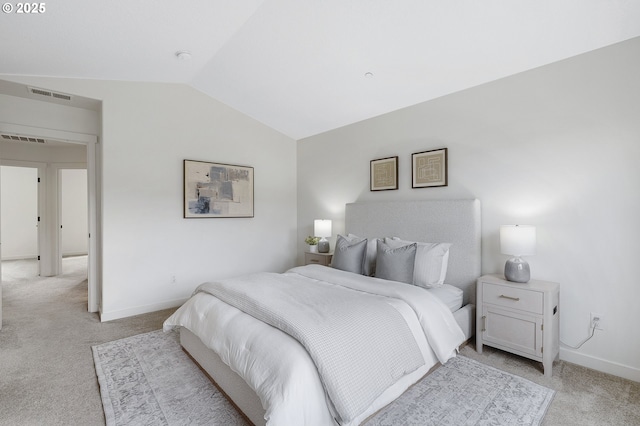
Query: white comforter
x: 280, y: 370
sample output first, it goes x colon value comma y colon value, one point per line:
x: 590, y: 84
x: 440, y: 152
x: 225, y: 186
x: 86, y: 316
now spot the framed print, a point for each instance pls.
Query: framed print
x: 384, y: 174
x: 217, y: 190
x: 429, y: 168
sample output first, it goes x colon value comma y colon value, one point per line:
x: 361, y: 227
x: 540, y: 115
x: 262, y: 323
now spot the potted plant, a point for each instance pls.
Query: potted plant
x: 312, y: 242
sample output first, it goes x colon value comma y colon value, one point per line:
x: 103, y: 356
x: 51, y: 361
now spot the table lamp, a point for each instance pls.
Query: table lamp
x: 517, y: 240
x: 322, y: 229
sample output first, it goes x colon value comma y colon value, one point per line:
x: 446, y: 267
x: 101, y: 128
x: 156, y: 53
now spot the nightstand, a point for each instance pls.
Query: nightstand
x: 317, y: 258
x: 519, y: 318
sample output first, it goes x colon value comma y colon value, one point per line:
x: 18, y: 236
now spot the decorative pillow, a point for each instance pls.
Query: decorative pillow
x: 431, y: 262
x: 395, y: 264
x: 370, y: 259
x: 349, y: 255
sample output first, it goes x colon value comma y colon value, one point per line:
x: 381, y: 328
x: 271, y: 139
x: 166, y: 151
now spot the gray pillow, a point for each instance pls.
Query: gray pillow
x: 370, y: 255
x: 430, y: 267
x: 349, y: 255
x: 396, y: 264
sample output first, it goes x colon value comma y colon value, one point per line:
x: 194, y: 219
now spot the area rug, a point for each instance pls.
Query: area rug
x: 148, y: 379
x: 466, y: 392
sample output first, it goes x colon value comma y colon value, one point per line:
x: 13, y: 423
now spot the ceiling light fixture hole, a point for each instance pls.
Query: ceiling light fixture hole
x: 183, y: 55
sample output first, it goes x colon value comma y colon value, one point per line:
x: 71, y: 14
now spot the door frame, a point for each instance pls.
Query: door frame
x: 94, y: 291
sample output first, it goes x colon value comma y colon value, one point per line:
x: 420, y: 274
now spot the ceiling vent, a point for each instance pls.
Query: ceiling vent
x: 31, y: 139
x: 49, y: 94
x: 19, y: 138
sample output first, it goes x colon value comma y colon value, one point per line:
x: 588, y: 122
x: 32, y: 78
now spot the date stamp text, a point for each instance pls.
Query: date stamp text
x: 19, y: 8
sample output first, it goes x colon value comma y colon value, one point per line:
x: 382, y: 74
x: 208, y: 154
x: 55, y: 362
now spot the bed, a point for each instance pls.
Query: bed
x: 289, y: 370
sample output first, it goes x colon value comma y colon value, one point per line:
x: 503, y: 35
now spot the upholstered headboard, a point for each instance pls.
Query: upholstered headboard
x: 432, y: 221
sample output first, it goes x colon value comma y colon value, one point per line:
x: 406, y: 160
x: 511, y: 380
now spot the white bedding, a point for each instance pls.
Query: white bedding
x: 280, y: 370
x: 449, y: 295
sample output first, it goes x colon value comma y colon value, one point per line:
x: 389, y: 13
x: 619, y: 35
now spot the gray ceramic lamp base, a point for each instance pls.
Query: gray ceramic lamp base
x: 323, y: 246
x: 517, y: 270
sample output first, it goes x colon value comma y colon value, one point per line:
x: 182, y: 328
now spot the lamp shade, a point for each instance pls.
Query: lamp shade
x: 518, y: 240
x: 322, y: 228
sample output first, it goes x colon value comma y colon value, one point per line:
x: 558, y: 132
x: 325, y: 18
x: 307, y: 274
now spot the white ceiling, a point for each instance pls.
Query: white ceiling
x: 299, y: 65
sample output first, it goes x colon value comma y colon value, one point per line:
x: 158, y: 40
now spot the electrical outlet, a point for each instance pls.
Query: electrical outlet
x: 173, y: 278
x: 600, y: 320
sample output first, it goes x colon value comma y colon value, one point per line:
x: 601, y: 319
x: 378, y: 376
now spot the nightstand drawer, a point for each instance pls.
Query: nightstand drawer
x: 515, y: 298
x: 317, y: 258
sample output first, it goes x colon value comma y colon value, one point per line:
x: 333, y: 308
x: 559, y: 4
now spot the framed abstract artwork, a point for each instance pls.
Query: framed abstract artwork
x: 384, y: 174
x: 217, y: 190
x: 429, y: 168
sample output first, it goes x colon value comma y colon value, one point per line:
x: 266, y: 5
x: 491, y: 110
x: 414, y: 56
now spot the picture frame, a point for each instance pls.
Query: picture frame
x: 429, y: 168
x: 217, y: 190
x: 383, y: 175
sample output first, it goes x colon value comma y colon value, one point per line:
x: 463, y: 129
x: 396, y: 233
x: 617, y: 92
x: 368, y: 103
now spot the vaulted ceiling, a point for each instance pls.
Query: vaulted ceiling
x: 307, y: 66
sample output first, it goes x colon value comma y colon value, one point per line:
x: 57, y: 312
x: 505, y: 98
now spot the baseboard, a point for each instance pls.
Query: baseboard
x: 35, y: 256
x: 600, y: 364
x: 74, y: 254
x: 139, y: 310
x: 23, y: 257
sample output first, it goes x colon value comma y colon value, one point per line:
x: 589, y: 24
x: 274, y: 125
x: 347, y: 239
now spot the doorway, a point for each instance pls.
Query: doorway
x: 49, y: 225
x: 73, y: 216
x: 20, y: 214
x: 77, y: 121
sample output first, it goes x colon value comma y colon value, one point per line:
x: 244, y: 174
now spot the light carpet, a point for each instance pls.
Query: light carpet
x: 148, y: 379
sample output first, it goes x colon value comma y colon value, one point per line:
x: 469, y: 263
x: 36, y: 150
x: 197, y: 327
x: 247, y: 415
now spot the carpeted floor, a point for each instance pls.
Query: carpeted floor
x: 47, y: 374
x: 584, y: 397
x: 46, y: 366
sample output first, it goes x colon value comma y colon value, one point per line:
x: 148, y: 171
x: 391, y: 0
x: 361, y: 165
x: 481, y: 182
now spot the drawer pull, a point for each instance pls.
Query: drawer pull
x: 517, y: 299
x: 484, y: 323
x: 314, y: 261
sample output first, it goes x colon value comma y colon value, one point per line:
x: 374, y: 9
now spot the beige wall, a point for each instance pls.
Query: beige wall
x: 557, y: 147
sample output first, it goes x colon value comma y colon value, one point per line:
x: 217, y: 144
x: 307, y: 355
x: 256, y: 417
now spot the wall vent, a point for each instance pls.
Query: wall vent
x: 49, y: 93
x: 20, y: 138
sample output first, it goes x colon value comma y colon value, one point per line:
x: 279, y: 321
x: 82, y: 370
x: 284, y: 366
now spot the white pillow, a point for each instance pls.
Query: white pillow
x: 372, y: 250
x: 430, y: 266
